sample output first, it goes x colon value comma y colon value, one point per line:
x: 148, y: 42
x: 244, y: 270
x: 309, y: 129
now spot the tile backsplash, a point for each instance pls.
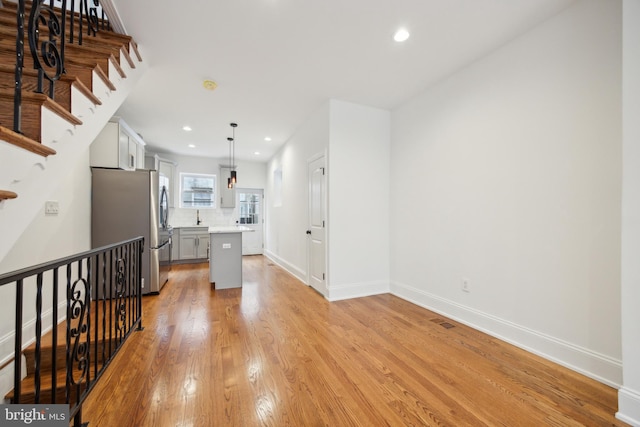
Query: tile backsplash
x: 179, y: 217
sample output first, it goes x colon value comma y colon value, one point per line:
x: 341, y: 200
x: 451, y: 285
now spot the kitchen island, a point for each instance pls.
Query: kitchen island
x: 225, y: 256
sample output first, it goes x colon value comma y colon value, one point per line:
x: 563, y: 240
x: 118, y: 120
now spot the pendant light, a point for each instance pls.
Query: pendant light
x: 229, y: 183
x: 234, y: 175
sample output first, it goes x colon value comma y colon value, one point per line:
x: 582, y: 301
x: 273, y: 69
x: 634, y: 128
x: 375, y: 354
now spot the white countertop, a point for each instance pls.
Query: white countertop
x: 229, y: 229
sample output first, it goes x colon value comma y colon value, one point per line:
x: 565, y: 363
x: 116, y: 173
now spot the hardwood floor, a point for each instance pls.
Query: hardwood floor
x: 276, y: 353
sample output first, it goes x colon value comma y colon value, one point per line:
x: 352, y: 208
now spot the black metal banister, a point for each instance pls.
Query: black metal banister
x: 17, y: 351
x: 38, y: 335
x: 17, y: 97
x: 88, y: 342
x: 61, y: 262
x: 54, y: 338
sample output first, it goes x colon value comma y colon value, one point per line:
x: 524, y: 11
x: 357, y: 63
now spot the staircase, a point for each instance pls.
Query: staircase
x: 57, y: 127
x: 53, y: 361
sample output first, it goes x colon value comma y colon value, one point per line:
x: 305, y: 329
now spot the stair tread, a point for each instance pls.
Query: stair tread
x: 24, y: 142
x: 28, y: 387
x: 70, y: 62
x: 9, y: 13
x: 73, y: 52
x: 47, y: 339
x: 7, y: 53
x: 5, y: 194
x: 45, y: 101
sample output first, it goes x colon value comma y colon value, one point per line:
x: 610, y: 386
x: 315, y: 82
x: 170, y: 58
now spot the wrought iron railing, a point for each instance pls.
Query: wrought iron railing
x: 47, y: 47
x: 101, y: 291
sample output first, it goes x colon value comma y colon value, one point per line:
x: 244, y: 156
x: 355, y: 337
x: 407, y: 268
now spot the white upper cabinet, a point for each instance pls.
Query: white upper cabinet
x: 117, y: 146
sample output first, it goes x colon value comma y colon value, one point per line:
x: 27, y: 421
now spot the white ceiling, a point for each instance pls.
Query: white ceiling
x: 276, y: 61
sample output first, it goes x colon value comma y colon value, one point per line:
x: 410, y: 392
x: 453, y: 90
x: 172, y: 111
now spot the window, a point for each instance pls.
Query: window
x: 249, y: 207
x: 197, y: 190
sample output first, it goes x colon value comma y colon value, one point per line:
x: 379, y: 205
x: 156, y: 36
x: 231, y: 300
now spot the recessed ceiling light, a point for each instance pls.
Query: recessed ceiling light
x: 401, y: 35
x: 187, y: 128
x: 267, y: 138
x: 191, y: 146
x: 257, y: 153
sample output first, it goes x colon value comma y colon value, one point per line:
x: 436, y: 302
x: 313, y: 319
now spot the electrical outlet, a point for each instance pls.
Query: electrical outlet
x: 142, y: 283
x: 465, y: 285
x: 51, y: 207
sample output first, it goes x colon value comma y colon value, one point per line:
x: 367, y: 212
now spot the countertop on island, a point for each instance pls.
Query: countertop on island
x: 220, y: 229
x: 216, y: 228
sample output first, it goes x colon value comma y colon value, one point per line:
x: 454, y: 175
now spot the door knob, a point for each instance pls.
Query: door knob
x: 308, y: 231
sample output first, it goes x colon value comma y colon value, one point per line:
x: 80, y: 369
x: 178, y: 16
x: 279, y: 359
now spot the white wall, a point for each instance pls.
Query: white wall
x: 68, y: 233
x: 47, y: 238
x: 358, y: 194
x: 286, y: 240
x: 355, y: 141
x: 508, y: 174
x: 629, y: 394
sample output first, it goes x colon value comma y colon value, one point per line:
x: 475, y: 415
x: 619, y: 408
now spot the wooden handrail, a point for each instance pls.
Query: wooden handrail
x: 5, y: 194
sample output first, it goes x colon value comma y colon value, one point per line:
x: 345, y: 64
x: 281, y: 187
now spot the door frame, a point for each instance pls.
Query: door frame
x: 318, y: 156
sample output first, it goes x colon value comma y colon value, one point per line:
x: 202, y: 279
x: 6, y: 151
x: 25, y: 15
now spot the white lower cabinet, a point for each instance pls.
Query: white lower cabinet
x: 194, y: 243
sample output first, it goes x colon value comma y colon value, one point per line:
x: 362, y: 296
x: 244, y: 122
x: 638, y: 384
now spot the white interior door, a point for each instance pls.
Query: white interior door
x: 316, y: 231
x: 249, y: 205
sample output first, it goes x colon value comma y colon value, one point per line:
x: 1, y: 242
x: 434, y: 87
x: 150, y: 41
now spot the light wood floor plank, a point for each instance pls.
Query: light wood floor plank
x: 276, y: 353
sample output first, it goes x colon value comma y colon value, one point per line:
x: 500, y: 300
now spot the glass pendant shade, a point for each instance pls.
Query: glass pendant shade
x: 229, y: 183
x: 233, y: 177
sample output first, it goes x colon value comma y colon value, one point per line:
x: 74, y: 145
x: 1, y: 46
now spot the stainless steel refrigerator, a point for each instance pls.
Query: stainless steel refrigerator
x: 125, y: 205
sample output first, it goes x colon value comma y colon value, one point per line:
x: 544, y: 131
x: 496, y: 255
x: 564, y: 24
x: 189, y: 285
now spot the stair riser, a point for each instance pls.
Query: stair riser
x: 46, y: 361
x: 62, y: 89
x: 8, y: 56
x: 31, y: 118
x: 74, y: 54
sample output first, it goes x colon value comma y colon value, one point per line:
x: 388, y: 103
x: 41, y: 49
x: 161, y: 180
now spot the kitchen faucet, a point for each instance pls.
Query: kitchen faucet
x: 198, y: 217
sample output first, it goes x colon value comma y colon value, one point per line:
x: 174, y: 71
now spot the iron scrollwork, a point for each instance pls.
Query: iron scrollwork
x: 48, y: 54
x: 79, y: 355
x: 93, y: 21
x: 121, y: 296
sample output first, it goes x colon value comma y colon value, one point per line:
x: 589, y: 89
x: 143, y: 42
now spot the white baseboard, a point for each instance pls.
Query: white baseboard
x: 353, y: 290
x: 629, y: 406
x: 295, y: 271
x: 602, y: 368
x: 357, y: 290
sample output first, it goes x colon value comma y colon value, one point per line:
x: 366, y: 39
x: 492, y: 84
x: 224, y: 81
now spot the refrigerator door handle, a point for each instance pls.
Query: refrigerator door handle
x: 165, y: 243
